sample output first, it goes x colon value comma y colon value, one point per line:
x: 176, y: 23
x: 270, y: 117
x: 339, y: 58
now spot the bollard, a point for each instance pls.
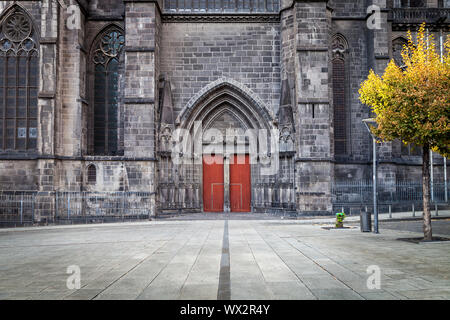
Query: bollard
x: 32, y: 209
x: 413, y: 210
x: 390, y: 212
x: 56, y: 204
x: 21, y: 209
x: 436, y: 209
x: 123, y: 205
x: 365, y: 221
x: 68, y: 207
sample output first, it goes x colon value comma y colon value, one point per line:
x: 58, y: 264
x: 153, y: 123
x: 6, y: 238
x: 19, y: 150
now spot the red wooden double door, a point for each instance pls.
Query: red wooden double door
x: 214, y: 187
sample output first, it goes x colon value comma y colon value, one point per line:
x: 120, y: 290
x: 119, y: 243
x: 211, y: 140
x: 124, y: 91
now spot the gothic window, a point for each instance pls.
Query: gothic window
x: 411, y: 150
x: 92, y: 174
x: 397, y: 47
x: 106, y: 92
x: 339, y: 50
x: 18, y: 82
x: 444, y: 3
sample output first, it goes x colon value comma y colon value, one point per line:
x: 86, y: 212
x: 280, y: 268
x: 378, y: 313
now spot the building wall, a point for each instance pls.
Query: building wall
x: 191, y: 54
x: 196, y: 54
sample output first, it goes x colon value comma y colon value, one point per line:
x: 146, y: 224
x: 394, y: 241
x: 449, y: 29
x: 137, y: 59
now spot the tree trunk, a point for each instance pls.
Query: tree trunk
x: 427, y: 233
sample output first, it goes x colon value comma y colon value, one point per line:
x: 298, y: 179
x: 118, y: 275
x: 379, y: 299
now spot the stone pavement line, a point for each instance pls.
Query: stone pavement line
x: 285, y: 262
x: 322, y: 267
x: 253, y: 254
x: 247, y: 279
x: 112, y: 290
x: 130, y: 270
x: 195, y: 261
x: 387, y: 257
x: 340, y: 273
x: 265, y: 262
x: 168, y: 262
x: 427, y: 263
x: 202, y: 282
x: 224, y: 290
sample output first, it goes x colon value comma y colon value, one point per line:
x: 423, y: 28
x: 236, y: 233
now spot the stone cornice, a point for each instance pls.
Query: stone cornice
x: 132, y: 100
x: 90, y: 158
x: 105, y: 18
x: 221, y: 17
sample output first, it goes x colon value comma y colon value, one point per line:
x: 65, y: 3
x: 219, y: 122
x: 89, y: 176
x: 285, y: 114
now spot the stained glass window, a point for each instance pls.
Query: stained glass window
x: 339, y: 106
x: 106, y: 92
x: 18, y: 83
x: 339, y: 51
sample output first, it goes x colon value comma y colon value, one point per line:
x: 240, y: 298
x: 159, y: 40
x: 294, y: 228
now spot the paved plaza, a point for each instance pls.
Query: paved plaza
x: 222, y: 259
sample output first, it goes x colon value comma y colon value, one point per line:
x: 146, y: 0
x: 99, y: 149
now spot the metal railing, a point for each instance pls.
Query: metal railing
x: 359, y: 192
x: 84, y: 205
x: 419, y: 15
x: 20, y: 207
x: 17, y: 207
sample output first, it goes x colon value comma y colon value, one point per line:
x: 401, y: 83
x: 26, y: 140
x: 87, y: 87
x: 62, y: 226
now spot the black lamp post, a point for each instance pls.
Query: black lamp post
x: 372, y: 123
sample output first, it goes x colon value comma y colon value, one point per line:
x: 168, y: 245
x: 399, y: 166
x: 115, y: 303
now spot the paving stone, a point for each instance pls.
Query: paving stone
x: 292, y: 290
x: 199, y: 292
x: 307, y: 262
x: 336, y: 294
x: 379, y: 295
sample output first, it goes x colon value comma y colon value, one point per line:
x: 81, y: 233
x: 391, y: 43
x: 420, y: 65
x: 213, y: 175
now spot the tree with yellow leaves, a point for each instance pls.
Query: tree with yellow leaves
x: 413, y: 104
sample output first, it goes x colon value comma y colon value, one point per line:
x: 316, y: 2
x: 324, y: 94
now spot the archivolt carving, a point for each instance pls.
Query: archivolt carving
x: 232, y: 88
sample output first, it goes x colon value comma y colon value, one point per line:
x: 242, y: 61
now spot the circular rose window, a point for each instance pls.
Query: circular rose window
x: 17, y: 27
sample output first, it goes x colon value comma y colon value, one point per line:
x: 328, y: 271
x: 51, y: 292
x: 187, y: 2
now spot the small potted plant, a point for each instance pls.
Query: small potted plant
x: 340, y: 216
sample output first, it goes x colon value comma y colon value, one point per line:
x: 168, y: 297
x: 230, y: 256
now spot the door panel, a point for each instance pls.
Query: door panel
x: 213, y: 183
x: 240, y: 193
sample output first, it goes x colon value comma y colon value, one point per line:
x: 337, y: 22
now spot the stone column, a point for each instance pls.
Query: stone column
x: 142, y: 40
x: 47, y: 102
x: 314, y: 159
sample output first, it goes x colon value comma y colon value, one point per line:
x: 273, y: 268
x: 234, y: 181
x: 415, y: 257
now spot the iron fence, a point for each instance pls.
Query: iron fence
x: 20, y: 207
x: 360, y: 192
x: 118, y: 205
x: 17, y: 207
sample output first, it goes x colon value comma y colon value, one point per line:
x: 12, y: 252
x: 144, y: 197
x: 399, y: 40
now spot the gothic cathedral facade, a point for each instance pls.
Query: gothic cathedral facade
x: 96, y: 95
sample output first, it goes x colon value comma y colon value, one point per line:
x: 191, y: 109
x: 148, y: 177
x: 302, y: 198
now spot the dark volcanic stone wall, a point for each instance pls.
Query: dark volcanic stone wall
x: 195, y: 54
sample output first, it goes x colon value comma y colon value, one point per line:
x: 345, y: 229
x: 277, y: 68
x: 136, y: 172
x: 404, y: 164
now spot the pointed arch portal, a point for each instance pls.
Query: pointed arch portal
x: 225, y: 110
